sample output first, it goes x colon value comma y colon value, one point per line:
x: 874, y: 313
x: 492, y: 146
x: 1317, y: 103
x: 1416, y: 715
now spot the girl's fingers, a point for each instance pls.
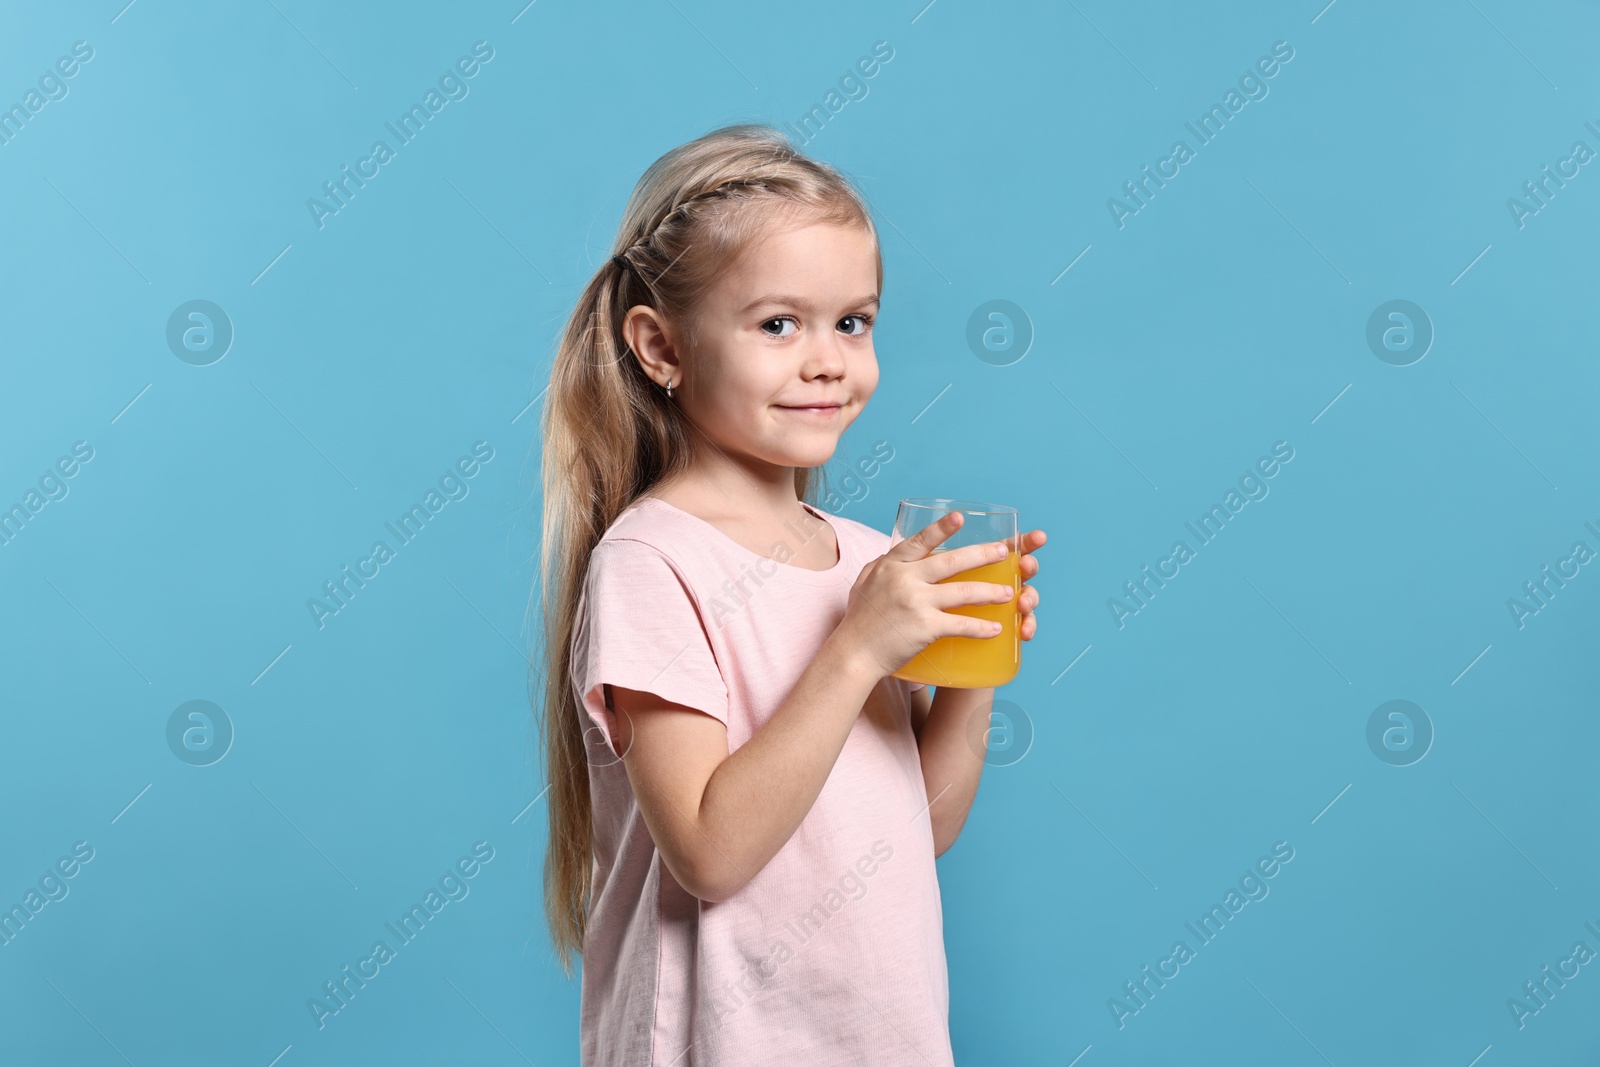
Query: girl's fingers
x: 941, y: 565
x: 1031, y: 540
x: 924, y: 541
x: 1026, y: 602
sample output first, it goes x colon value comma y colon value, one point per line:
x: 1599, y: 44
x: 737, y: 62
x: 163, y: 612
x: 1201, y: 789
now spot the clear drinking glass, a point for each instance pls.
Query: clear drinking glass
x: 969, y: 662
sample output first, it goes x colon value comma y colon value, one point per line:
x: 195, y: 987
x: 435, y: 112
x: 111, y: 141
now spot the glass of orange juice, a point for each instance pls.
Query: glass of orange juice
x: 969, y: 662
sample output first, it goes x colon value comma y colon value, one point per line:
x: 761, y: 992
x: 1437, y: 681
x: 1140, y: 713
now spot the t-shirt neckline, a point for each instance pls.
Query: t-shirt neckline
x: 826, y: 577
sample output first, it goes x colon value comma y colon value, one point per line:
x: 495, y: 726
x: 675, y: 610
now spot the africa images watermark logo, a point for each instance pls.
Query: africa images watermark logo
x: 1207, y: 128
x: 452, y: 486
x: 453, y: 886
x: 52, y: 87
x: 52, y: 887
x: 1538, y: 592
x: 762, y: 973
x: 1252, y: 486
x: 452, y: 86
x: 51, y: 487
x: 1252, y: 887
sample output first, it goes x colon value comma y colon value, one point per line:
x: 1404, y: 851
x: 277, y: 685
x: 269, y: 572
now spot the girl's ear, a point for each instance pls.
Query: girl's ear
x: 649, y: 337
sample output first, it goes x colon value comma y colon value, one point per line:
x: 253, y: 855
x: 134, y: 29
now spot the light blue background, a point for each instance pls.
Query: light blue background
x: 1227, y: 315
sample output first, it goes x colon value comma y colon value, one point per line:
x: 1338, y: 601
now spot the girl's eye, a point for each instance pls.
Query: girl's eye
x: 862, y: 324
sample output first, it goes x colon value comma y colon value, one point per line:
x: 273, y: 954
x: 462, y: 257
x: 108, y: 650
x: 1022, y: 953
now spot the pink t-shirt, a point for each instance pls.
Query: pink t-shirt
x: 833, y: 953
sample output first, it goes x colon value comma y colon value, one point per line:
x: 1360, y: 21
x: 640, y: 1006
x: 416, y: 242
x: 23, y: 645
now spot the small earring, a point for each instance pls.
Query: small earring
x: 669, y: 388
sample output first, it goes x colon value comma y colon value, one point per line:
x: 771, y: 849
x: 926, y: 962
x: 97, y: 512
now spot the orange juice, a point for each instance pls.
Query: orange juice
x: 975, y: 662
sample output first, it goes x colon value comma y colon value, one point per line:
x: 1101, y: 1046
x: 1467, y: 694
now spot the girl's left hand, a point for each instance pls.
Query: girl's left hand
x: 1028, y: 626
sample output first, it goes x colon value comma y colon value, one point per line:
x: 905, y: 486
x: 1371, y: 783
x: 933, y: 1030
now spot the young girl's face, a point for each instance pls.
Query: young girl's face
x: 783, y: 360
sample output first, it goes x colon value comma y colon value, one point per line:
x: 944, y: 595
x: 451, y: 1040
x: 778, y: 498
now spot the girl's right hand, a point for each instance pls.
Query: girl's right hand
x: 898, y: 608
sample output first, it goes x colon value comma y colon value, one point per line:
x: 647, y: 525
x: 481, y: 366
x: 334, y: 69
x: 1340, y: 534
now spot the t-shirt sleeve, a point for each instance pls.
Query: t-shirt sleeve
x: 641, y: 628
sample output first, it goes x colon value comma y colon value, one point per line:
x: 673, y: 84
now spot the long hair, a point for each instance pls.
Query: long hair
x: 610, y: 433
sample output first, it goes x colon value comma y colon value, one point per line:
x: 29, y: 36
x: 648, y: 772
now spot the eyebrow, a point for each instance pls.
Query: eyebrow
x: 803, y: 304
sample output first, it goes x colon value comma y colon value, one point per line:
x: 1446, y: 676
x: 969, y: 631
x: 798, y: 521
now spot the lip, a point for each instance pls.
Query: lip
x: 817, y: 411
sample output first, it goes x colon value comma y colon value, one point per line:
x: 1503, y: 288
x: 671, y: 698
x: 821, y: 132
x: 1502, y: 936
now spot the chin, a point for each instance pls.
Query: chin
x: 807, y: 456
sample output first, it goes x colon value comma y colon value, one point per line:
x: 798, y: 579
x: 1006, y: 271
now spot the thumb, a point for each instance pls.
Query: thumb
x: 924, y: 541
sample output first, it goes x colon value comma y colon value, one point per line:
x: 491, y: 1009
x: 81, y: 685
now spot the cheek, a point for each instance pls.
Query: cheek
x: 867, y: 374
x: 737, y: 399
x: 722, y: 382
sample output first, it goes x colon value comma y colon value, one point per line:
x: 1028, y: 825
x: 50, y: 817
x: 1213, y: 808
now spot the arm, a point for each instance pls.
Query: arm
x: 716, y: 817
x: 952, y: 757
x: 951, y: 763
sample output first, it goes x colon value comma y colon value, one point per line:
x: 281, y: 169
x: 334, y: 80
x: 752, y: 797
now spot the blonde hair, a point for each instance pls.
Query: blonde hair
x: 610, y: 433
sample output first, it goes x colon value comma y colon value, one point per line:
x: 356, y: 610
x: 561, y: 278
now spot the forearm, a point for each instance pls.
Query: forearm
x: 756, y: 798
x: 952, y: 752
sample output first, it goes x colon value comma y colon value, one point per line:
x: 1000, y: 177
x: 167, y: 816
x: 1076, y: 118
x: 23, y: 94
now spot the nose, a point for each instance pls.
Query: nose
x: 824, y: 358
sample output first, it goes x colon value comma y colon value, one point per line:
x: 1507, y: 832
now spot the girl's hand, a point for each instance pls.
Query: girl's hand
x: 1029, y: 626
x: 898, y: 606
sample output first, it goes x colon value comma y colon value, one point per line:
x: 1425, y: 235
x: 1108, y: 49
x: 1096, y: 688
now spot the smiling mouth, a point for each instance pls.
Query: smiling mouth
x: 827, y: 409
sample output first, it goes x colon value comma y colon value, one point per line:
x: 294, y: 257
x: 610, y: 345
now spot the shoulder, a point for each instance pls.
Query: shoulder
x: 637, y: 539
x: 633, y: 586
x: 644, y: 530
x: 650, y: 549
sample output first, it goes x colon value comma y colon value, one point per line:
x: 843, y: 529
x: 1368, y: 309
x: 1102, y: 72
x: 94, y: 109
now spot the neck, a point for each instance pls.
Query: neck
x: 732, y: 484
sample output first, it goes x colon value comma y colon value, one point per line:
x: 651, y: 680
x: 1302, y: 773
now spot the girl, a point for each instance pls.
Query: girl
x: 744, y: 806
